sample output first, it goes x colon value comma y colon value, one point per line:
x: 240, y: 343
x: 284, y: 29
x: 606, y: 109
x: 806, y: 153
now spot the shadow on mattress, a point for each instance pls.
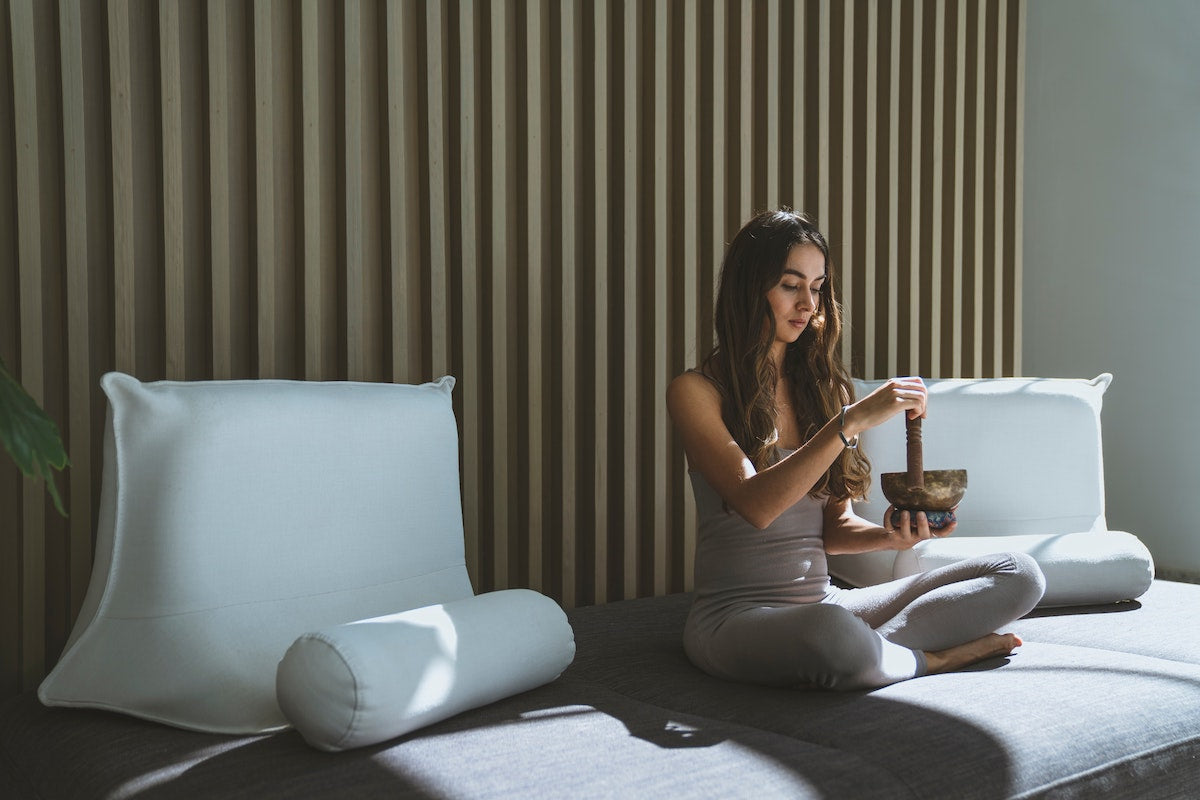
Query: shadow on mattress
x: 572, y: 738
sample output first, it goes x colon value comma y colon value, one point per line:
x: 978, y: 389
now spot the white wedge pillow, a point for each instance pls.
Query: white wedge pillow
x: 236, y: 516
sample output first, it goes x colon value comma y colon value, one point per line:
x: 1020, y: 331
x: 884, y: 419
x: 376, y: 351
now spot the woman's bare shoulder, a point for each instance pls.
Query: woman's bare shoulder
x: 693, y: 385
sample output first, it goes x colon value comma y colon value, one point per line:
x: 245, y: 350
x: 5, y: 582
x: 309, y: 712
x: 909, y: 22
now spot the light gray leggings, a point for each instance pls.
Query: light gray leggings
x: 864, y: 638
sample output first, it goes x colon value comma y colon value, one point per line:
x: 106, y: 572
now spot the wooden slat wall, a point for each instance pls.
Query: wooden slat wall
x: 532, y: 196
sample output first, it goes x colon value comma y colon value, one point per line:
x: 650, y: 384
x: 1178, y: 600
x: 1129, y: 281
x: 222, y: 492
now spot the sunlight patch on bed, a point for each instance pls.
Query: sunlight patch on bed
x: 155, y: 778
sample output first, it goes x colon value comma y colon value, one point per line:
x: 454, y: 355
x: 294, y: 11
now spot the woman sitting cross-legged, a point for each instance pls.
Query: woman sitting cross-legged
x: 769, y: 424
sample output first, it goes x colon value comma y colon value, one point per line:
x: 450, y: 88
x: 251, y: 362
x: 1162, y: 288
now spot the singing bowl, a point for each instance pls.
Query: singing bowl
x: 943, y: 490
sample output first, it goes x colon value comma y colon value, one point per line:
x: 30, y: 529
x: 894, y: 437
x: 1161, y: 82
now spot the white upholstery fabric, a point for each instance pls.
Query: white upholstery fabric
x: 1087, y: 567
x: 1033, y: 455
x: 365, y: 682
x: 238, y: 515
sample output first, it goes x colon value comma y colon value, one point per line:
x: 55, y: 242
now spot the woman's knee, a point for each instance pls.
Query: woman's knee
x: 845, y: 652
x: 817, y: 645
x: 1025, y: 577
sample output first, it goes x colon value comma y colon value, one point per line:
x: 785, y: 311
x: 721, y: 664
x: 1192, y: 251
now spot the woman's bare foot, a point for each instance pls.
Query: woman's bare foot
x: 959, y: 656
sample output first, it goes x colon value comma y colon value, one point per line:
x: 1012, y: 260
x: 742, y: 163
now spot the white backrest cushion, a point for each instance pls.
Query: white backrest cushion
x: 1031, y: 448
x: 236, y: 516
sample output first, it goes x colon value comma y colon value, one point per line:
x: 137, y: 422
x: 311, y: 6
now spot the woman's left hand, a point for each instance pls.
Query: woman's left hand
x: 913, y: 528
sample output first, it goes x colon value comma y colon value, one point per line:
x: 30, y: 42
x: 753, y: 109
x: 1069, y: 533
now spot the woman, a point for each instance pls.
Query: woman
x: 770, y: 428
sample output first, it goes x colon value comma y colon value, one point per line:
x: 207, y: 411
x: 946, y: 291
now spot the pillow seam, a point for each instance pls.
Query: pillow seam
x: 452, y: 568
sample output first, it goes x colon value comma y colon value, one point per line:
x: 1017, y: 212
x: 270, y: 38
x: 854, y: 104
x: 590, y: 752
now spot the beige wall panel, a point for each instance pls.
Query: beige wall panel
x: 534, y: 197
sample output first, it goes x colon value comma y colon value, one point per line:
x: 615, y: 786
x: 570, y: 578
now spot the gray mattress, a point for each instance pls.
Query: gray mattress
x: 1100, y: 702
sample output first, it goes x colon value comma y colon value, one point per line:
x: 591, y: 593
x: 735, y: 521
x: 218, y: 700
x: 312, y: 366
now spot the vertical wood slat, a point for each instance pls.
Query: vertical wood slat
x: 471, y: 370
x: 692, y: 269
x: 662, y: 333
x: 870, y: 311
x: 796, y: 131
x: 499, y: 191
x: 720, y: 179
x: 997, y: 226
x: 916, y: 300
x: 32, y: 369
x: 568, y: 266
x: 1018, y: 207
x: 175, y: 312
x: 630, y: 327
x: 264, y: 187
x: 501, y: 248
x: 893, y: 181
x: 315, y: 367
x: 11, y: 490
x: 600, y: 288
x: 825, y: 57
x: 220, y: 243
x: 536, y: 215
x: 939, y: 139
x: 370, y: 279
x: 846, y: 244
x: 957, y: 199
x: 352, y: 134
x: 978, y: 202
x: 746, y: 113
x: 774, y: 69
x: 404, y: 193
x: 435, y: 83
x: 120, y: 101
x: 74, y: 188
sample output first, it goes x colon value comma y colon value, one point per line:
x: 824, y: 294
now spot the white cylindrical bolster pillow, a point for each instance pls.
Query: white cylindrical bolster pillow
x: 365, y: 682
x: 1084, y: 568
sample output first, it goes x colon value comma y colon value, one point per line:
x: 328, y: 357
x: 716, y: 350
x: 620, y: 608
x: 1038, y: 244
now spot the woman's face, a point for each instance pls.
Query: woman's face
x: 796, y: 298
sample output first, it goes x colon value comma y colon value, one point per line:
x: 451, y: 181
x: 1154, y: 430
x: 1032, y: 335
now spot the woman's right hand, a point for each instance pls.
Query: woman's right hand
x: 898, y: 394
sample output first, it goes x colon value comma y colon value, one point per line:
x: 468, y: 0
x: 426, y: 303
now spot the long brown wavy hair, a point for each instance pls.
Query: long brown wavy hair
x: 740, y: 362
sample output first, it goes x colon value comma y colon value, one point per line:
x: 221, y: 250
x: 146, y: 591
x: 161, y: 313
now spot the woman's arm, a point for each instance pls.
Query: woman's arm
x: 760, y: 497
x: 847, y: 532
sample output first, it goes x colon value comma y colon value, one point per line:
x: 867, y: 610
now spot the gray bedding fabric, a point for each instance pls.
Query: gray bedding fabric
x: 1100, y: 702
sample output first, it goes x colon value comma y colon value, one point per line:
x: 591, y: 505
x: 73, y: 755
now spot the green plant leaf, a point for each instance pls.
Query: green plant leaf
x: 29, y: 435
